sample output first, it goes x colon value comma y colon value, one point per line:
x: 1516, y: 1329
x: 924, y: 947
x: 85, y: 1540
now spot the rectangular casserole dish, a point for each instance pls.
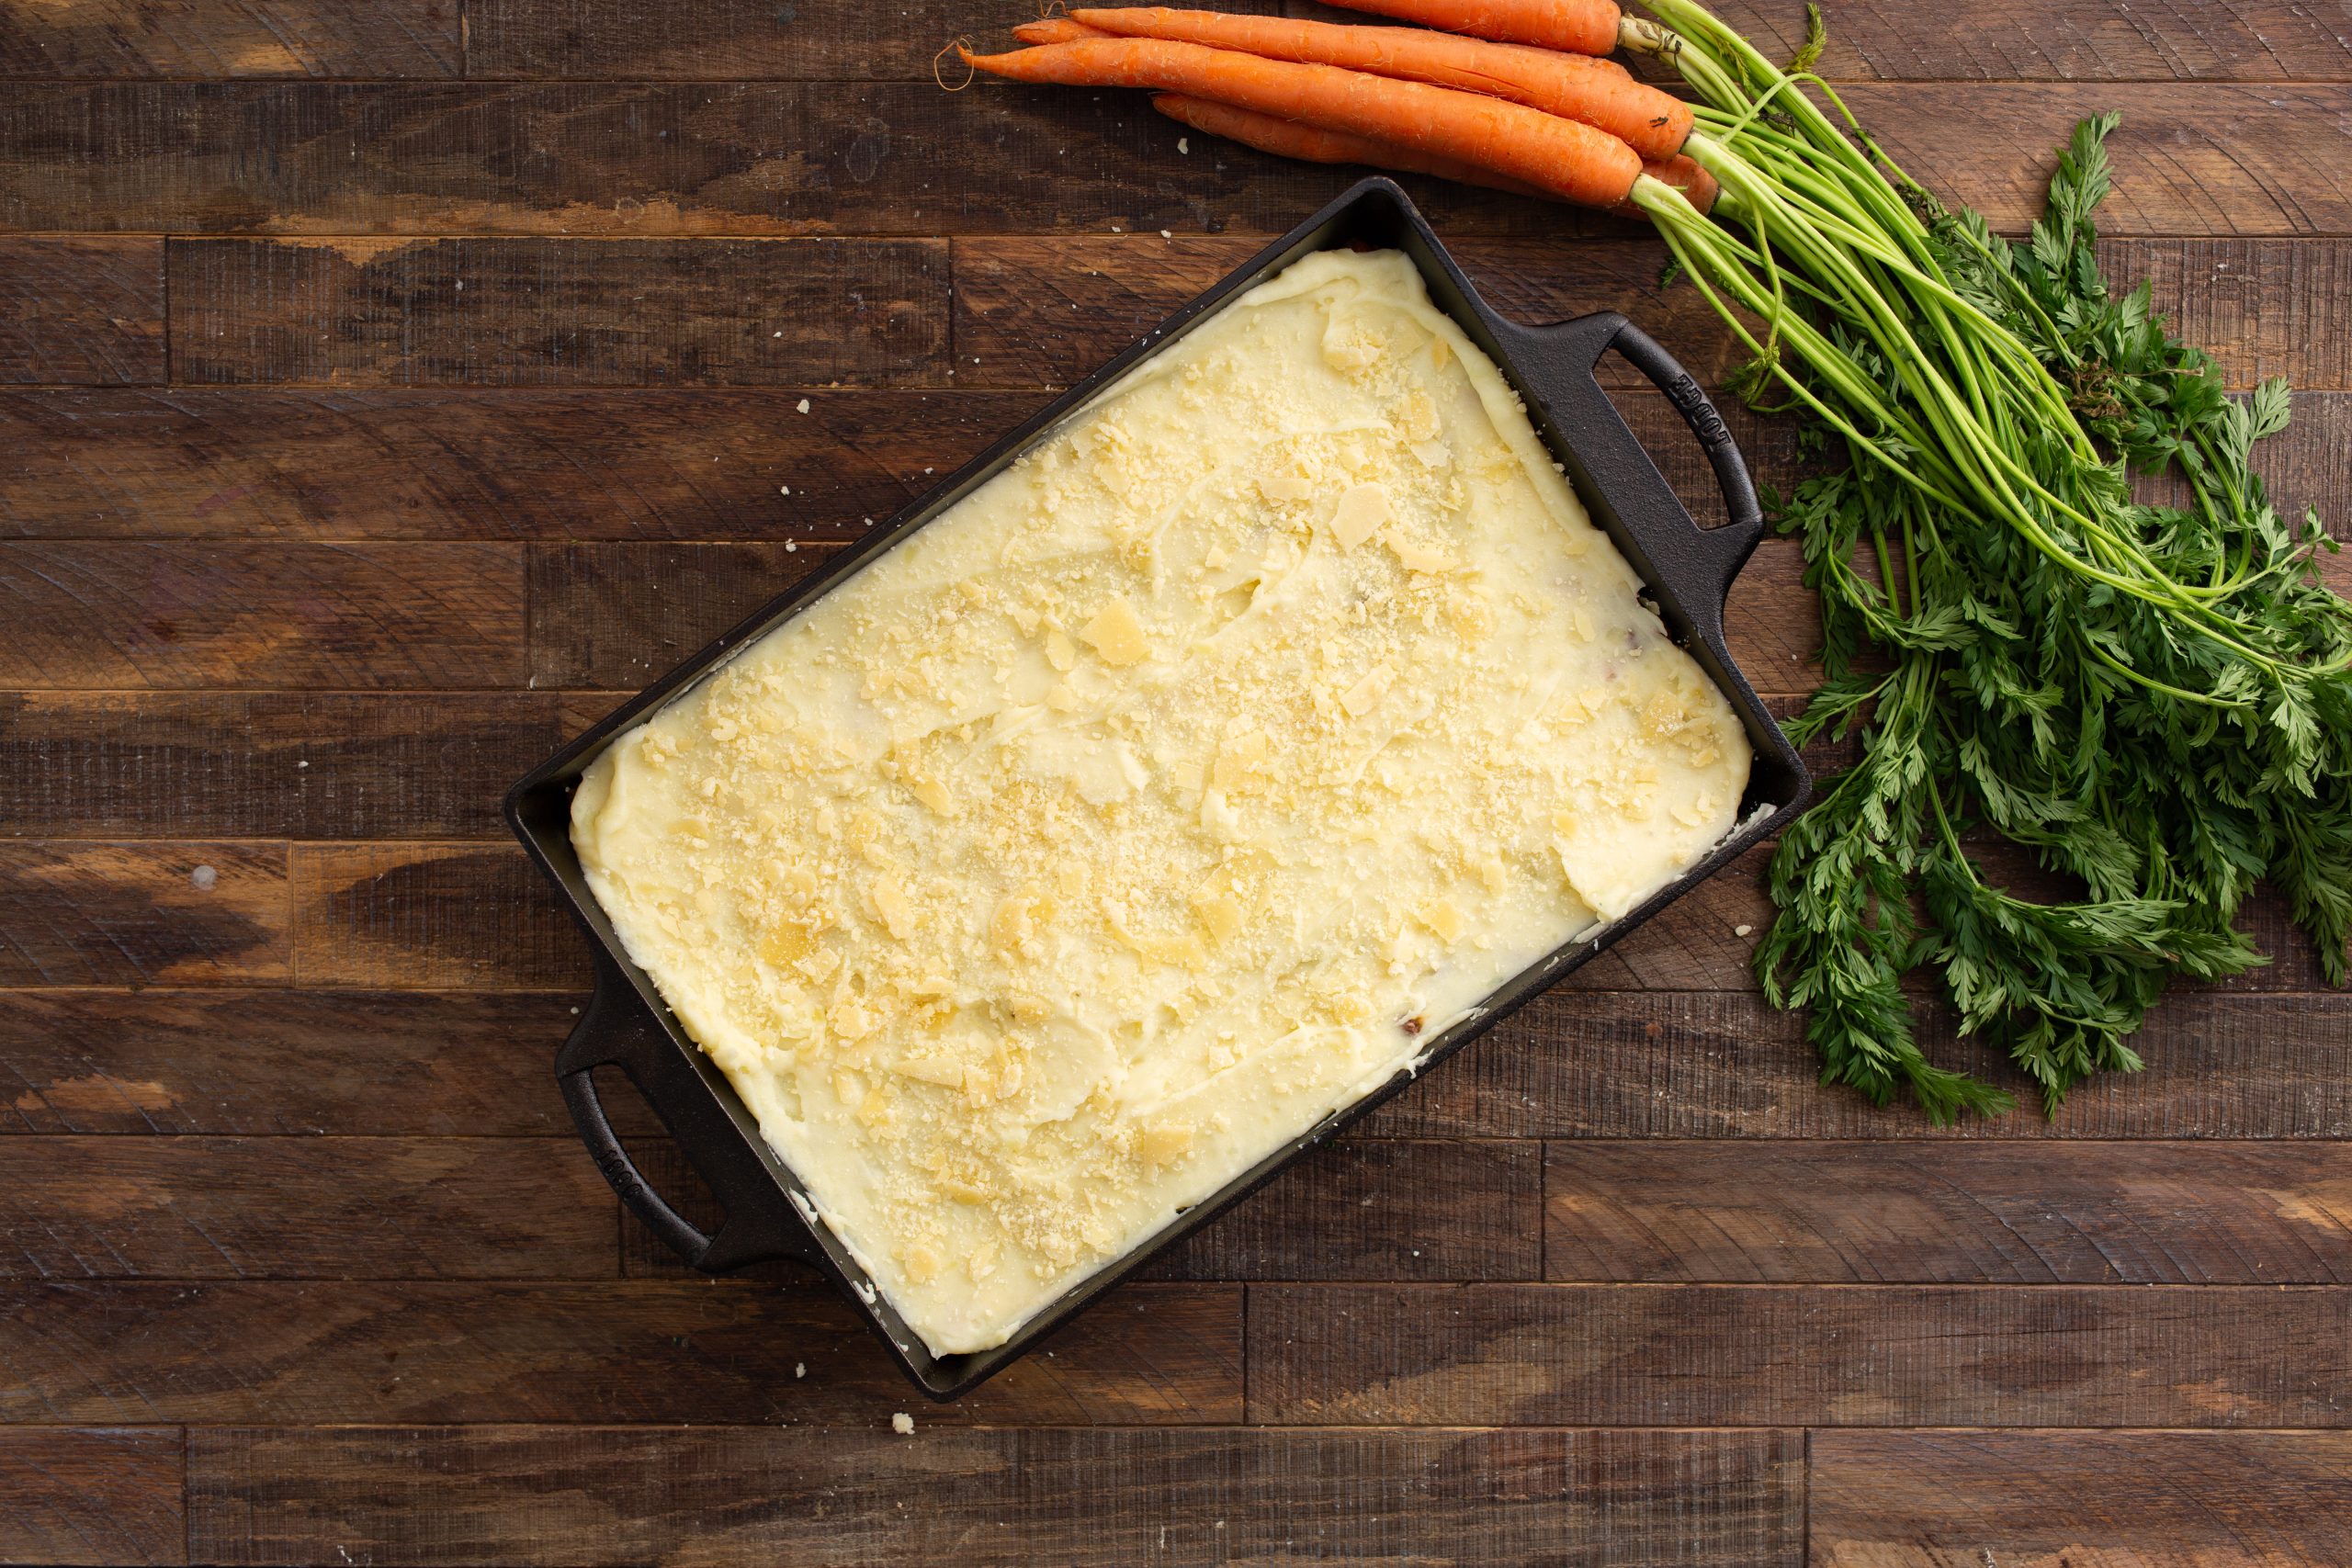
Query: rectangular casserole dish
x: 1688, y: 571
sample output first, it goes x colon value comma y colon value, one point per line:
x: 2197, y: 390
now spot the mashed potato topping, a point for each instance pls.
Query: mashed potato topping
x: 1173, y: 790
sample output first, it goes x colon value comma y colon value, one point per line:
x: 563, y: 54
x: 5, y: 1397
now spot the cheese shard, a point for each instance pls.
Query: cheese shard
x: 1174, y: 789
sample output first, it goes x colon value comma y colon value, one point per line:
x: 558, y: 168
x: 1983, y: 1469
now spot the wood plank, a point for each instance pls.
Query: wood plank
x: 100, y: 1496
x: 1088, y: 1499
x: 1381, y: 1209
x: 1044, y: 311
x: 645, y: 159
x: 645, y: 1350
x: 102, y: 914
x: 2076, y: 41
x: 719, y: 41
x: 1038, y: 312
x: 1362, y: 1208
x: 600, y: 464
x: 728, y: 40
x: 266, y: 765
x: 616, y: 616
x: 1875, y: 1213
x: 363, y: 1208
x: 1828, y: 1355
x: 2262, y: 308
x: 120, y: 615
x: 2051, y: 1499
x: 1630, y: 1064
x: 557, y: 312
x: 86, y: 311
x: 429, y: 917
x: 238, y: 1063
x: 1584, y: 1065
x: 639, y: 158
x: 232, y: 37
x: 388, y: 464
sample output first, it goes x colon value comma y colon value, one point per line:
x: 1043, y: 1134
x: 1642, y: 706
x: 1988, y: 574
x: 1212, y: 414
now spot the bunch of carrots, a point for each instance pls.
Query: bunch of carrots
x: 1530, y: 105
x: 2152, y: 700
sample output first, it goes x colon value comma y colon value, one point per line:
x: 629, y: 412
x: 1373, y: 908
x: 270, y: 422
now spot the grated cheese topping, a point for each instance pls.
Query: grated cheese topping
x: 1171, y: 791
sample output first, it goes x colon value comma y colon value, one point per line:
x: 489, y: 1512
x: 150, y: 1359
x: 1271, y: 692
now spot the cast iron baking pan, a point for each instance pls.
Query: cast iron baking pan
x: 1689, y: 571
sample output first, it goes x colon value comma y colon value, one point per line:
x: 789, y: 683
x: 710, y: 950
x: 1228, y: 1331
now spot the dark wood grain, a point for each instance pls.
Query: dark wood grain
x: 2262, y: 308
x: 2061, y: 41
x: 231, y: 38
x: 120, y: 616
x: 1381, y: 1209
x: 1860, y: 1213
x: 337, y: 158
x: 616, y: 615
x: 858, y: 1495
x: 425, y: 465
x: 251, y: 1062
x: 303, y: 1208
x: 1043, y: 311
x: 111, y: 914
x: 266, y: 765
x: 81, y: 310
x: 554, y: 312
x: 108, y: 1496
x: 1038, y: 312
x: 644, y: 1350
x: 2080, y: 40
x: 2081, y: 1499
x: 719, y: 41
x: 430, y: 917
x: 388, y: 464
x: 1636, y: 1064
x: 639, y: 159
x: 1761, y: 1355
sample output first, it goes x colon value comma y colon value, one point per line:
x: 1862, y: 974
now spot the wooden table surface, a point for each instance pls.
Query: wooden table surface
x: 393, y: 384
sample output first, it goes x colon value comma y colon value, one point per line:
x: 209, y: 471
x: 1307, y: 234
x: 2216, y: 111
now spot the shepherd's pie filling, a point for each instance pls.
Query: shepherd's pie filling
x: 1173, y: 790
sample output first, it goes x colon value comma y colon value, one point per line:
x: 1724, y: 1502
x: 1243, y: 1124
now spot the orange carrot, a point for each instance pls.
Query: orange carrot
x: 1288, y: 138
x: 1575, y: 86
x: 1697, y: 185
x: 1056, y: 29
x: 1571, y: 161
x: 1581, y: 27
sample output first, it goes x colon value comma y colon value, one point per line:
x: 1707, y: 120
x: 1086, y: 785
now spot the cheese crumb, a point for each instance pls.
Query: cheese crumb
x: 1116, y: 634
x: 1165, y: 1141
x: 802, y: 407
x: 1363, y: 510
x: 1364, y: 695
x: 1416, y: 557
x: 1741, y: 931
x: 1444, y: 919
x: 903, y: 1423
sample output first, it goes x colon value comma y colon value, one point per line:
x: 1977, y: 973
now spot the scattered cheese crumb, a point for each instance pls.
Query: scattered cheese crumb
x: 1116, y: 634
x: 1363, y: 510
x: 903, y: 1423
x: 1185, y: 144
x: 802, y: 407
x: 1364, y: 695
x: 1166, y: 236
x: 1444, y: 919
x: 800, y: 1369
x: 1741, y: 931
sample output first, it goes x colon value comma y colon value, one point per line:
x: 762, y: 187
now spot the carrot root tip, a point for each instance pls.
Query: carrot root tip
x: 962, y: 44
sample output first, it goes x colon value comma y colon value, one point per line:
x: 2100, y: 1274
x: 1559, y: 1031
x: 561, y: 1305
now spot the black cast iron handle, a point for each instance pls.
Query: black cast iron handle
x: 614, y: 1031
x: 1695, y: 566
